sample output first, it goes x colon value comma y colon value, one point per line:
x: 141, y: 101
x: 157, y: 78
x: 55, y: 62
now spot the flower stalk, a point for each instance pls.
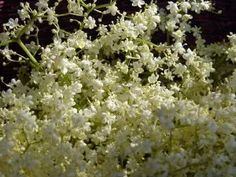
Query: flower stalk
x: 32, y: 59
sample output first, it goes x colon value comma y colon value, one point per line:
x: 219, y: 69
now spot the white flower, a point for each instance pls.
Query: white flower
x: 24, y: 12
x: 189, y: 55
x: 178, y: 34
x: 232, y: 81
x: 232, y: 38
x: 128, y: 45
x: 111, y: 104
x: 221, y: 159
x: 185, y: 6
x: 123, y: 67
x: 108, y: 118
x: 231, y: 145
x: 138, y: 3
x: 152, y: 79
x: 90, y: 22
x: 70, y: 51
x: 166, y: 116
x: 178, y: 159
x: 7, y: 52
x: 76, y: 88
x: 180, y: 69
x: 63, y: 64
x: 178, y: 47
x: 156, y: 18
x: 147, y: 114
x: 51, y: 16
x: 96, y: 107
x: 75, y: 7
x: 205, y: 5
x: 12, y: 23
x: 171, y: 25
x: 175, y: 87
x: 141, y: 28
x: 97, y: 84
x: 172, y: 7
x: 212, y: 126
x: 198, y: 7
x: 102, y: 29
x: 86, y: 64
x: 113, y: 9
x: 42, y: 4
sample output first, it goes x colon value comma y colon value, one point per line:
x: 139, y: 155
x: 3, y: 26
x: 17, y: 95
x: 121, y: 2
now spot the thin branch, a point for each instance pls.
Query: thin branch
x: 26, y: 50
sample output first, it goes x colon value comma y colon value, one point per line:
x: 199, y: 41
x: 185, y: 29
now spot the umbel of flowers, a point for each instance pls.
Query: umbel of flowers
x: 118, y: 105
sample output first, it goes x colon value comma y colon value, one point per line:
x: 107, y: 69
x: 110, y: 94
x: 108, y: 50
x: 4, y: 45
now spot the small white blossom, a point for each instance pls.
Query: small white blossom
x: 178, y: 47
x: 185, y: 6
x: 42, y: 4
x: 7, y: 53
x: 180, y: 69
x: 172, y: 7
x: 111, y: 104
x: 189, y: 55
x: 205, y: 5
x: 75, y: 7
x: 24, y: 12
x: 97, y: 84
x: 90, y: 22
x: 141, y: 28
x: 166, y: 117
x: 102, y: 29
x: 152, y: 79
x: 12, y: 23
x: 138, y: 3
x: 171, y: 25
x: 113, y: 9
x: 231, y: 145
x: 178, y: 34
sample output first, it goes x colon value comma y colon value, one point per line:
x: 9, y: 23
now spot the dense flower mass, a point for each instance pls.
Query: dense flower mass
x: 118, y: 104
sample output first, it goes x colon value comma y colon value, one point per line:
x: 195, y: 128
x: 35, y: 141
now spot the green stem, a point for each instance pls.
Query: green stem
x: 170, y: 140
x: 25, y: 28
x: 31, y: 57
x: 6, y: 43
x: 102, y: 6
x: 98, y: 7
x: 168, y: 38
x: 159, y: 48
x: 84, y: 4
x: 67, y: 14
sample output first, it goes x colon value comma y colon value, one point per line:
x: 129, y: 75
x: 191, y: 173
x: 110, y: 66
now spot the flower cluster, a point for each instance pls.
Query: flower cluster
x: 118, y: 105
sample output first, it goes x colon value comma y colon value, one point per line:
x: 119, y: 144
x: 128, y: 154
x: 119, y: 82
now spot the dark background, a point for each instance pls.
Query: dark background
x: 215, y: 27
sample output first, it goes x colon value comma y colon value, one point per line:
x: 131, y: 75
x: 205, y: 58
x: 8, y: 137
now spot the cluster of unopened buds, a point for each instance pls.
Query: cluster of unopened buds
x: 104, y: 100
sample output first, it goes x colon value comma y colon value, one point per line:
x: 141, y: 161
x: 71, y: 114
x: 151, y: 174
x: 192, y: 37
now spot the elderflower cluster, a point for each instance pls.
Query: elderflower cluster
x: 117, y: 104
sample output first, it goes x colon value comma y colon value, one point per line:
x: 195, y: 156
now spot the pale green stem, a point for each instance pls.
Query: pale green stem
x: 170, y: 140
x: 83, y: 4
x: 168, y: 38
x: 5, y: 43
x: 157, y: 47
x: 25, y: 28
x: 31, y: 57
x: 66, y: 14
x: 102, y: 6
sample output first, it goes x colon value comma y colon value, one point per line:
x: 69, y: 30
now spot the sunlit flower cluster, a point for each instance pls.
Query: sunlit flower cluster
x: 118, y: 105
